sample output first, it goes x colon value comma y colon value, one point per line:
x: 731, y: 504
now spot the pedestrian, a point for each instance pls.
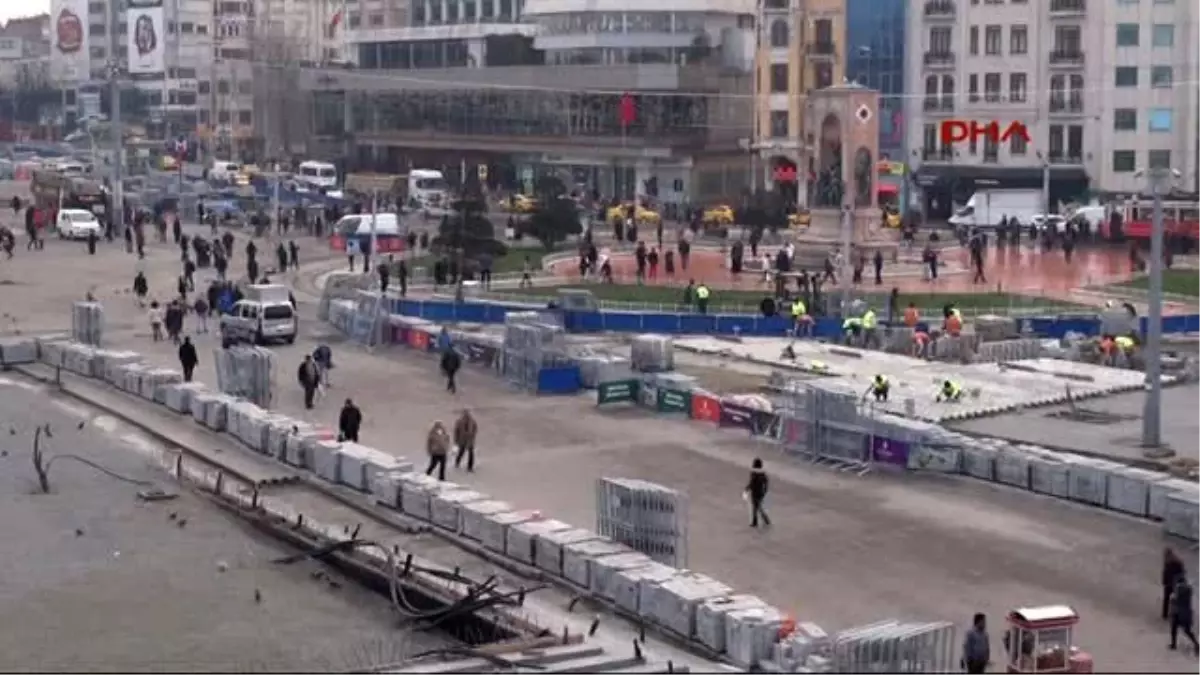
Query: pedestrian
x: 156, y: 321
x: 756, y: 493
x: 188, y: 358
x: 384, y: 276
x: 878, y: 262
x: 1172, y: 569
x: 976, y: 651
x: 281, y: 256
x: 173, y: 320
x: 182, y: 286
x: 294, y: 255
x: 323, y: 357
x: 402, y: 277
x: 349, y: 422
x: 91, y: 242
x: 437, y: 444
x: 451, y: 362
x: 1182, y: 613
x: 309, y: 377
x: 189, y: 273
x: 201, y: 308
x: 140, y: 288
x: 465, y: 431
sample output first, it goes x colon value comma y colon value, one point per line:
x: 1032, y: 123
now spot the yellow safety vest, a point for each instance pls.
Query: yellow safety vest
x: 1125, y: 344
x: 798, y: 308
x: 851, y: 323
x: 957, y: 314
x: 879, y: 382
x: 816, y: 365
x: 951, y: 389
x: 868, y: 319
x: 702, y: 293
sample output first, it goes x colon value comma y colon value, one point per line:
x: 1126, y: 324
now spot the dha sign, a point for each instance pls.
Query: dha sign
x: 953, y: 132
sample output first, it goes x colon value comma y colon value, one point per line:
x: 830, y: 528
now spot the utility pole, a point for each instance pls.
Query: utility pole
x: 115, y: 125
x: 1160, y: 182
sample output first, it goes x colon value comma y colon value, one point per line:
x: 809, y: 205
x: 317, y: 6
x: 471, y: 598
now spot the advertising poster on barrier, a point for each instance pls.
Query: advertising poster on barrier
x: 889, y: 452
x: 674, y: 401
x: 418, y: 339
x: 935, y: 458
x: 617, y: 391
x: 706, y: 408
x: 734, y: 415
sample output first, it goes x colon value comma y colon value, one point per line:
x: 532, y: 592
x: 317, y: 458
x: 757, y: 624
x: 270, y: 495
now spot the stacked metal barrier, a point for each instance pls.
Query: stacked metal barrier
x: 821, y: 420
x: 896, y: 647
x: 532, y: 341
x: 246, y: 372
x: 87, y: 323
x: 652, y: 353
x: 647, y: 517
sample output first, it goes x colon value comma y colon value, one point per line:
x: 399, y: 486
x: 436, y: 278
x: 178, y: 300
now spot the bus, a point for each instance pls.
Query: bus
x: 53, y: 190
x: 1181, y: 221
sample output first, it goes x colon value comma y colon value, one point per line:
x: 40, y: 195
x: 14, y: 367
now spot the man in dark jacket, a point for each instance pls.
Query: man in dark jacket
x: 309, y: 377
x: 756, y: 492
x: 188, y: 358
x: 450, y: 364
x: 350, y: 421
x: 1172, y: 570
x: 465, y: 431
x: 1181, y: 612
x: 977, y: 652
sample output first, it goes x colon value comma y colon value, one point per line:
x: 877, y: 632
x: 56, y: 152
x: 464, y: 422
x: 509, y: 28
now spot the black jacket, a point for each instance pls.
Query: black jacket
x: 1181, y: 602
x: 1171, y: 571
x: 758, y: 485
x: 451, y: 362
x: 187, y: 354
x: 350, y: 419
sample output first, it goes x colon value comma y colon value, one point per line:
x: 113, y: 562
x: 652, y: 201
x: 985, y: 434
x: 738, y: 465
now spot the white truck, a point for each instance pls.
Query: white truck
x: 985, y: 208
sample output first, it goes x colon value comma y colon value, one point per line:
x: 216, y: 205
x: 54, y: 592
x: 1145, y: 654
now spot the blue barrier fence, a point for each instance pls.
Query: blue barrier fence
x: 442, y: 311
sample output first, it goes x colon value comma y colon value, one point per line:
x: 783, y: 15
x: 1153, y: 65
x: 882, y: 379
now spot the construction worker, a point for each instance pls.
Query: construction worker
x: 921, y: 342
x: 911, y: 315
x: 852, y: 329
x: 702, y: 294
x: 802, y: 321
x: 879, y: 388
x: 951, y: 391
x: 953, y: 321
x: 870, y: 323
x: 1125, y: 348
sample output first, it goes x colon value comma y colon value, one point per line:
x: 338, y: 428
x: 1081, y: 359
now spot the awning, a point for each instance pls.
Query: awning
x: 928, y: 175
x: 887, y: 189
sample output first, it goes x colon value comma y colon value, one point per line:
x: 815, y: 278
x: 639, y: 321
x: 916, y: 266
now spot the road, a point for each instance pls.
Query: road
x: 97, y: 581
x: 843, y: 551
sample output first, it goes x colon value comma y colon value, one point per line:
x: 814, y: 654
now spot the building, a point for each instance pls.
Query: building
x: 875, y: 32
x: 612, y: 98
x: 801, y: 47
x: 1101, y: 85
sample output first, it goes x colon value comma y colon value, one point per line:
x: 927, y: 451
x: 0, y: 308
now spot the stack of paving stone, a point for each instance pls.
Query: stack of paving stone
x: 647, y: 517
x: 178, y: 397
x: 652, y: 353
x: 153, y: 383
x: 210, y: 408
x: 50, y: 350
x: 954, y: 348
x: 247, y: 422
x: 87, y: 323
x: 246, y: 372
x: 16, y: 351
x: 108, y: 361
x: 597, y: 367
x: 674, y: 603
x: 992, y: 328
x: 806, y: 650
x: 1009, y: 350
x: 79, y: 358
x: 531, y: 343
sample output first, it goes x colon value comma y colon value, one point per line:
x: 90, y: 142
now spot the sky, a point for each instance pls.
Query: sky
x: 11, y: 9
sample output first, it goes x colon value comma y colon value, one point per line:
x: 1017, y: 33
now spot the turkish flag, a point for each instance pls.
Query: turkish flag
x: 627, y: 113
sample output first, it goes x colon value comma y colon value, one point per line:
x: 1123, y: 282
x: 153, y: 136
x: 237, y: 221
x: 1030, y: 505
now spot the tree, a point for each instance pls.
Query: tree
x: 556, y: 216
x: 468, y: 235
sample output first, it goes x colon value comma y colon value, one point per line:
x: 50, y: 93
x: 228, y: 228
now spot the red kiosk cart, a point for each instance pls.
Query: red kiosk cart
x: 1039, y: 640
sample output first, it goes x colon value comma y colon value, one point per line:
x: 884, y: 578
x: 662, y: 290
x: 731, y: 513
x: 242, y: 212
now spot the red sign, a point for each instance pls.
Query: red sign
x: 418, y: 339
x: 953, y: 132
x: 628, y: 110
x: 784, y: 174
x: 705, y: 408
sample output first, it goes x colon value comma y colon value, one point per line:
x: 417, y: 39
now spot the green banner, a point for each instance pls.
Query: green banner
x: 673, y: 401
x: 617, y: 391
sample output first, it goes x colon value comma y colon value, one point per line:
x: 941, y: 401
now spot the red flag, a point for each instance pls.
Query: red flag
x: 627, y: 113
x: 335, y: 21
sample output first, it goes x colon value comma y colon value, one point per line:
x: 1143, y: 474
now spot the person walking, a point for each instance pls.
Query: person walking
x: 451, y: 362
x: 1172, y: 570
x: 756, y: 493
x: 349, y: 421
x: 201, y: 308
x: 188, y: 358
x: 140, y: 288
x: 1182, y: 613
x: 465, y: 431
x: 437, y: 444
x: 309, y: 377
x: 156, y: 322
x: 977, y: 651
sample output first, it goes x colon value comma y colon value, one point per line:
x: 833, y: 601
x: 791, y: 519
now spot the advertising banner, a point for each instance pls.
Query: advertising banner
x: 674, y: 401
x: 889, y: 452
x: 69, y: 48
x: 617, y: 391
x: 734, y: 415
x: 147, y: 38
x: 705, y: 408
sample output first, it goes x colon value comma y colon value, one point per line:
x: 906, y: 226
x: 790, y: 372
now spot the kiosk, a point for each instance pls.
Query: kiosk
x: 1039, y: 640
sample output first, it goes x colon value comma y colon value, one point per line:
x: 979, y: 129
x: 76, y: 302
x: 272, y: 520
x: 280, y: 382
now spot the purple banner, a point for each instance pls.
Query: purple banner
x: 734, y: 415
x: 892, y: 453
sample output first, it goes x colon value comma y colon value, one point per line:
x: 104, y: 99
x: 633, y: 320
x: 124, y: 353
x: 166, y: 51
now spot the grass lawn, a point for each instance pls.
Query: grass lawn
x: 748, y: 300
x: 1175, y: 282
x: 513, y: 261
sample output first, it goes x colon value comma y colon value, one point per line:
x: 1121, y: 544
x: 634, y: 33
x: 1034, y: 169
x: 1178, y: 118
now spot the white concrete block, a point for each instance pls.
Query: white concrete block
x: 1049, y: 474
x: 750, y: 634
x: 550, y: 547
x: 1182, y: 517
x: 494, y: 528
x: 522, y: 538
x: 1089, y: 480
x: 1160, y: 490
x: 628, y: 585
x: 711, y: 618
x: 673, y: 604
x: 327, y: 460
x: 472, y: 515
x: 577, y: 559
x: 416, y: 489
x: 1129, y: 490
x: 444, y: 507
x: 605, y: 568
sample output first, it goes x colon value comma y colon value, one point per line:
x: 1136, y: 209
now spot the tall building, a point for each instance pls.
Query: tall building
x: 875, y: 35
x: 1104, y: 87
x: 801, y: 47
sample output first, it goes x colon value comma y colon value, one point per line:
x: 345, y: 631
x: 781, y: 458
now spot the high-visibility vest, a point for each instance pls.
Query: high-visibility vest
x: 951, y: 389
x: 880, y: 382
x: 798, y: 308
x: 1124, y: 343
x: 702, y: 293
x: 851, y: 323
x: 868, y: 319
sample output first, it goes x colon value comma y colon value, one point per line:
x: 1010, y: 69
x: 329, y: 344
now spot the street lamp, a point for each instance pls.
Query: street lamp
x: 1159, y: 180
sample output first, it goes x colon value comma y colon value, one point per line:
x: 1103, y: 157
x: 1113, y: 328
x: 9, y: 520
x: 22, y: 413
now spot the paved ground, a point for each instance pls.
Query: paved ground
x: 843, y: 551
x: 95, y: 580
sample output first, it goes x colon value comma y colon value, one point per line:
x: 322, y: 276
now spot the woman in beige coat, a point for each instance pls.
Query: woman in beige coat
x: 437, y: 444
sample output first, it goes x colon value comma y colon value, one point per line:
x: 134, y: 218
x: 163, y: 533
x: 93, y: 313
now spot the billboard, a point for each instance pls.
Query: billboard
x: 11, y: 48
x: 147, y: 39
x: 69, y: 57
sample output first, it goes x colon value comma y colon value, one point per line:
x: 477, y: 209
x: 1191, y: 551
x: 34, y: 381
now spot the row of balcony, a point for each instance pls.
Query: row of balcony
x: 991, y: 155
x: 1067, y: 104
x: 1059, y: 9
x: 1070, y: 59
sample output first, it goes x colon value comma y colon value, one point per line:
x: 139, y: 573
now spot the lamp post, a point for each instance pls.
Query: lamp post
x: 115, y: 126
x: 1159, y: 181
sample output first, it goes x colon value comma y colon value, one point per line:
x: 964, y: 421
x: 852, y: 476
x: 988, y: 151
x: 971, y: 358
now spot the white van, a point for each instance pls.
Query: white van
x: 224, y: 171
x: 318, y: 175
x: 264, y: 315
x: 386, y: 225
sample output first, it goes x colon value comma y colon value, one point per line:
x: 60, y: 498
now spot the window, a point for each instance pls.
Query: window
x: 1160, y: 119
x: 1056, y: 141
x: 1162, y: 35
x: 779, y: 33
x: 1075, y: 142
x: 931, y: 85
x: 1017, y: 145
x: 1017, y: 87
x: 1126, y: 76
x: 948, y: 86
x: 245, y: 118
x: 779, y: 124
x: 1159, y: 159
x: 992, y: 40
x: 1161, y: 77
x: 824, y: 32
x: 1018, y: 40
x: 97, y: 29
x: 97, y: 8
x: 1125, y: 119
x: 1127, y: 35
x: 939, y: 40
x: 203, y: 87
x: 991, y: 87
x: 974, y: 41
x: 991, y: 150
x: 201, y: 29
x: 973, y: 88
x: 1067, y: 40
x: 779, y: 78
x: 1124, y: 161
x: 930, y: 139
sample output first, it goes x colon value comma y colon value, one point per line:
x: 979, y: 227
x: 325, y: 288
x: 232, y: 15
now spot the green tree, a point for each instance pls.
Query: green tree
x: 468, y: 235
x: 556, y: 216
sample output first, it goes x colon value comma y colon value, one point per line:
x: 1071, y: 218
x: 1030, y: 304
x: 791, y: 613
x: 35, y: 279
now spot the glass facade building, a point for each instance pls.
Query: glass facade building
x: 875, y: 35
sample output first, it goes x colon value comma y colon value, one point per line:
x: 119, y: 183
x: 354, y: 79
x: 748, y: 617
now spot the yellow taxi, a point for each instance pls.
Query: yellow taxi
x: 641, y: 214
x: 721, y: 214
x: 522, y: 204
x: 800, y: 219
